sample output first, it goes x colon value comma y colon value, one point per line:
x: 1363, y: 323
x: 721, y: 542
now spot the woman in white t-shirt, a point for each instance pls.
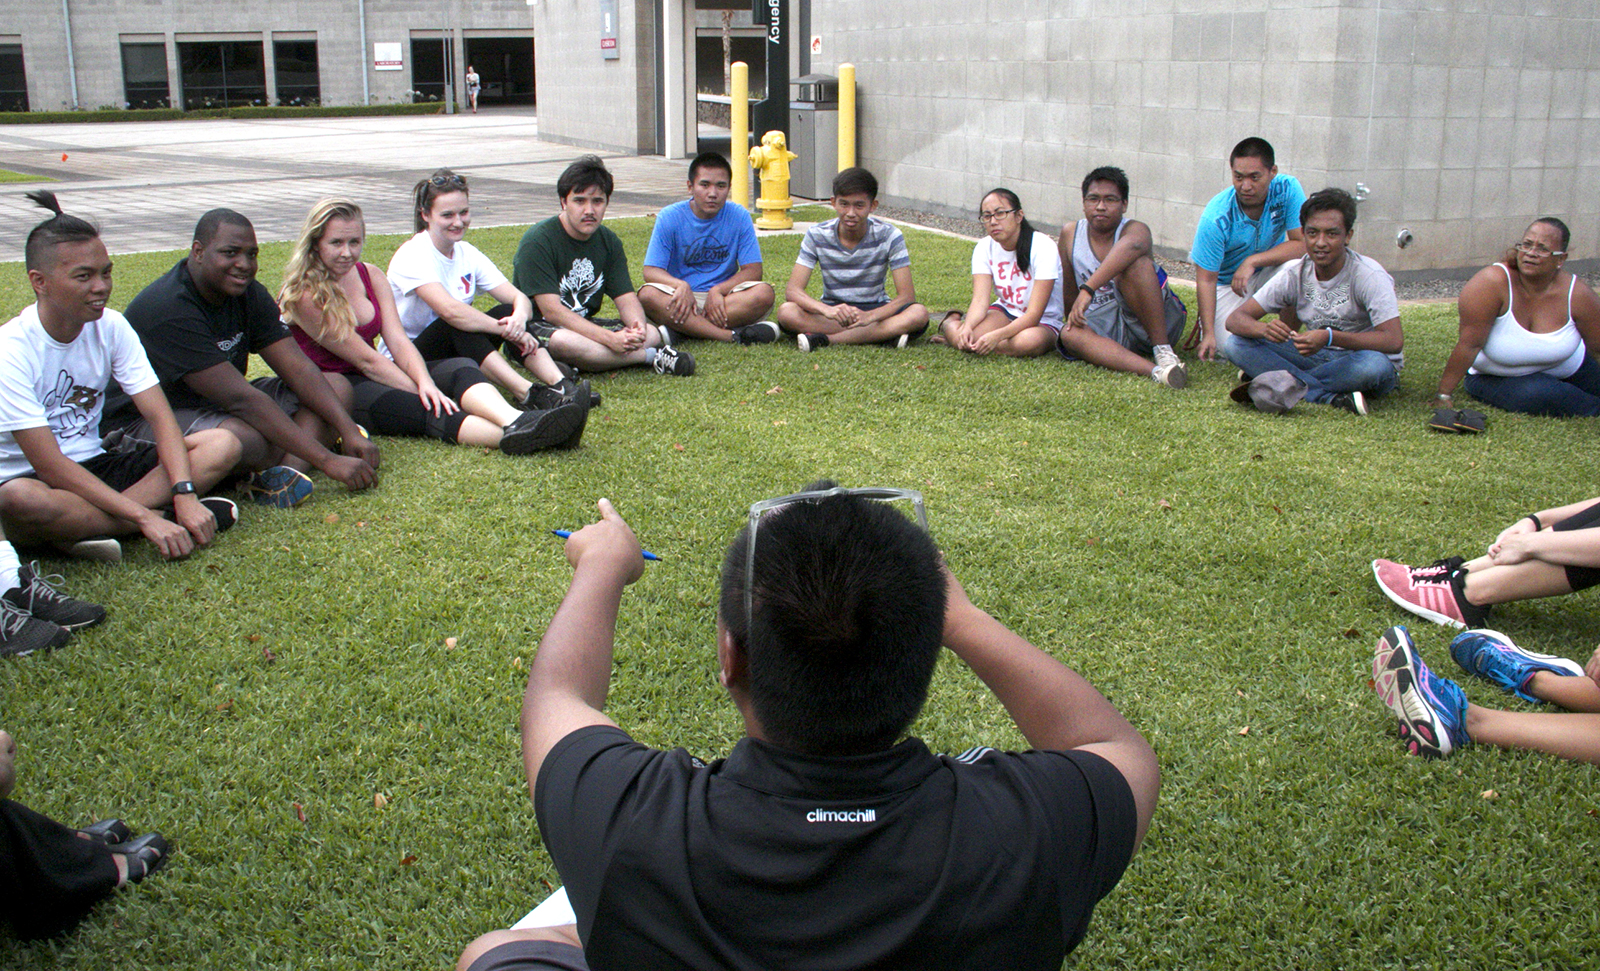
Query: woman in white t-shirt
x: 435, y: 276
x: 473, y: 86
x: 1016, y: 297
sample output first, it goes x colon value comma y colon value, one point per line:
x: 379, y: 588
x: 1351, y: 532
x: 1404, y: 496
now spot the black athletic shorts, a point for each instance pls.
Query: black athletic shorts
x: 1581, y: 577
x: 531, y: 956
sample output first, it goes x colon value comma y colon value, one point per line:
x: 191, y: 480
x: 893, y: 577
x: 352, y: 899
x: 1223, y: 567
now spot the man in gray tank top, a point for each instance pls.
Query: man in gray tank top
x: 1123, y: 316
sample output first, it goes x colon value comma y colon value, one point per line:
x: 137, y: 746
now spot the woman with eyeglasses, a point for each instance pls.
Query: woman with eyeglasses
x: 1016, y: 299
x: 1529, y: 333
x: 337, y: 307
x: 435, y: 276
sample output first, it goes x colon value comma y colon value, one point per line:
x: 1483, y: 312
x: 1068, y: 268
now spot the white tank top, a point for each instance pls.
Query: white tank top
x: 1513, y: 350
x: 1084, y: 262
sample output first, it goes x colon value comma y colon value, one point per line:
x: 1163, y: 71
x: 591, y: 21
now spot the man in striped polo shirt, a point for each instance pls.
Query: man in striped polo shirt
x: 855, y: 251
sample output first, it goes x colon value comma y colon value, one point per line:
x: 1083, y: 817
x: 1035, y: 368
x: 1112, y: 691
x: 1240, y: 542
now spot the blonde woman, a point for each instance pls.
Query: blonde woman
x: 337, y: 306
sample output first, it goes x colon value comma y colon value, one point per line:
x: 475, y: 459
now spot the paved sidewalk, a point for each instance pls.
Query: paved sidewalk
x: 146, y: 183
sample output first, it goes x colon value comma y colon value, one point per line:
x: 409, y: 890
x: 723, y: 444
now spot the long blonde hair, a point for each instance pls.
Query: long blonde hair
x: 307, y: 276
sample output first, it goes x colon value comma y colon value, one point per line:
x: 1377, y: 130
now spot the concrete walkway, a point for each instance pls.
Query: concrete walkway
x: 146, y: 183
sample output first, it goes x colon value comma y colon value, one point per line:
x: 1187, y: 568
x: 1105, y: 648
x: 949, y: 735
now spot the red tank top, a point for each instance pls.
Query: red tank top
x: 369, y: 331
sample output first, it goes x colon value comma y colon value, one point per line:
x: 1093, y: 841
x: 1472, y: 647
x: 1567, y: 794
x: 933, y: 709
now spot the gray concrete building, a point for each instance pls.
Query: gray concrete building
x: 1458, y: 121
x: 57, y: 54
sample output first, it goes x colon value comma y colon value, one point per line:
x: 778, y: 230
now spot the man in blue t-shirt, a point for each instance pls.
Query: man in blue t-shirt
x: 702, y: 270
x: 833, y: 608
x: 1245, y: 233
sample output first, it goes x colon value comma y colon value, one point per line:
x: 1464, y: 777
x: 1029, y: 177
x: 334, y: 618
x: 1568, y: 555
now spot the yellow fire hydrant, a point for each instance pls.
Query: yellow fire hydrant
x: 772, y: 158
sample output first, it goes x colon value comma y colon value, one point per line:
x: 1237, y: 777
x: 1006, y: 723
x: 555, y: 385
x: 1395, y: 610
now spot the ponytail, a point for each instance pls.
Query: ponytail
x: 58, y: 229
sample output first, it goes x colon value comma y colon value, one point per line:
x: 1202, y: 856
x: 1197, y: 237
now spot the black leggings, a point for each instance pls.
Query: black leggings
x: 1581, y: 577
x: 390, y: 411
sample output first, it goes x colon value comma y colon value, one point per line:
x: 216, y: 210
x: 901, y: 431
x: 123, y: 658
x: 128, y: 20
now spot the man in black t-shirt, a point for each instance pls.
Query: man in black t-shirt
x: 826, y: 839
x: 199, y: 324
x: 569, y: 264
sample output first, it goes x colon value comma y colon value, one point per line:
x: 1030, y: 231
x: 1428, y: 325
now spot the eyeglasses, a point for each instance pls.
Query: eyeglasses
x: 446, y: 181
x: 998, y: 214
x: 1537, y: 250
x: 759, y: 510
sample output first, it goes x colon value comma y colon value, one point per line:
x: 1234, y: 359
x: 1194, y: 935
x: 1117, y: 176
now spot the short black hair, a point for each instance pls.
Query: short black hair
x: 1558, y: 226
x: 848, y: 605
x: 1107, y: 173
x: 855, y: 181
x: 586, y: 172
x: 709, y: 160
x: 1330, y: 200
x: 58, y: 229
x: 1254, y: 147
x: 206, y: 229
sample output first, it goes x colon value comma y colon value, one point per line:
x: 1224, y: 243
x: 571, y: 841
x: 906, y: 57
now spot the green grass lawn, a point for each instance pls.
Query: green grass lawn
x: 6, y: 175
x: 1203, y: 564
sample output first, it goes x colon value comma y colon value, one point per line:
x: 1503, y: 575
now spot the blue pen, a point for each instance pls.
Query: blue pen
x: 564, y: 533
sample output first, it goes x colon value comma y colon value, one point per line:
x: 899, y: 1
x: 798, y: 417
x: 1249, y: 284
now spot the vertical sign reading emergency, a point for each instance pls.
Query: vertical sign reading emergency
x: 608, y: 30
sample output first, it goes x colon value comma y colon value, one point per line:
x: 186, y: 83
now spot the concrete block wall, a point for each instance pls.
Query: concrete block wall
x: 98, y: 27
x: 585, y: 100
x: 1463, y: 118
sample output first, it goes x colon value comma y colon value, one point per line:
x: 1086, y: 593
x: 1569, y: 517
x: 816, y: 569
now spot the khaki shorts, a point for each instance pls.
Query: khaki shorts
x: 700, y: 295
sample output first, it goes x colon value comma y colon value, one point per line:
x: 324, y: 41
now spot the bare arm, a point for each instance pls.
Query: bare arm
x: 1290, y: 249
x: 355, y: 351
x: 1586, y: 314
x: 905, y: 294
x: 747, y: 273
x: 1482, y: 300
x: 1055, y: 708
x: 555, y: 312
x: 306, y: 381
x: 173, y: 452
x: 571, y: 672
x: 795, y: 292
x: 1205, y: 299
x: 1386, y: 337
x: 1246, y: 322
x: 461, y: 316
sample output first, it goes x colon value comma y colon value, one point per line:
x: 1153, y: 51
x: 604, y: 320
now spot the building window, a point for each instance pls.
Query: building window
x: 295, y: 63
x: 222, y: 74
x: 13, y: 79
x: 427, y: 69
x: 144, y: 76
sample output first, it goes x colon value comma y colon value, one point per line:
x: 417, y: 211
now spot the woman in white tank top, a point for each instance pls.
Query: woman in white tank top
x: 1529, y: 332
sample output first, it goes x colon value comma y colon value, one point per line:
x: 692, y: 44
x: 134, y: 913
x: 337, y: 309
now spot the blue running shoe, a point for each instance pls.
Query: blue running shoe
x: 1432, y: 710
x: 279, y: 486
x: 1491, y: 654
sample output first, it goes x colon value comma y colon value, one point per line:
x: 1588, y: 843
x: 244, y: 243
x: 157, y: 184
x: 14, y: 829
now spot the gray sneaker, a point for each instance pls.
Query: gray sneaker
x: 670, y: 360
x: 1172, y: 375
x: 22, y: 633
x: 760, y: 332
x: 39, y: 596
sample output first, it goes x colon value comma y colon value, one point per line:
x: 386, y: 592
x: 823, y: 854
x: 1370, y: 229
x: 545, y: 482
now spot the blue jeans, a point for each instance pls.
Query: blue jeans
x: 1327, y: 372
x: 1542, y: 394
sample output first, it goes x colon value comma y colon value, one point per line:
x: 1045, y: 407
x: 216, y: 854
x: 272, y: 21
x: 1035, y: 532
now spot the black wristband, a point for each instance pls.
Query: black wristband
x: 1537, y: 526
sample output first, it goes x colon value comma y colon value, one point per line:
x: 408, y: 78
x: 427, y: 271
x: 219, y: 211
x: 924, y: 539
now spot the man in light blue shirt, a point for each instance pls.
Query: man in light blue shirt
x: 1245, y: 233
x: 702, y: 270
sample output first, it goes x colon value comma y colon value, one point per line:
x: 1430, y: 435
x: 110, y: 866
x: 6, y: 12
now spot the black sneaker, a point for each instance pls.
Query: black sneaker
x: 1354, y: 402
x: 559, y: 427
x: 543, y: 397
x: 38, y: 596
x: 22, y: 633
x: 760, y: 332
x: 810, y: 342
x: 670, y: 360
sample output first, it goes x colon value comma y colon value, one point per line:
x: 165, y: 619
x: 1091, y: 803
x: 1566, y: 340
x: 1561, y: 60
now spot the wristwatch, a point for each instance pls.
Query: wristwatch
x: 184, y: 488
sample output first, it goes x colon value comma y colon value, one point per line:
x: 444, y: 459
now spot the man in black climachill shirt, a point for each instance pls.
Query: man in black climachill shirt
x: 827, y: 839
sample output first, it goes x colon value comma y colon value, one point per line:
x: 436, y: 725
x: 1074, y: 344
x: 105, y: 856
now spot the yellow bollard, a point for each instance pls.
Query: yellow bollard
x: 739, y: 129
x: 847, y: 116
x: 772, y: 158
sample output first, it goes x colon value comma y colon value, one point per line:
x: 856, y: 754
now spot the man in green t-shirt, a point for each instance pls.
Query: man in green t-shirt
x: 569, y: 264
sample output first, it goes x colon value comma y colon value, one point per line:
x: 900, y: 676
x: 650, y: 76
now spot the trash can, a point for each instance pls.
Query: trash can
x: 813, y: 135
